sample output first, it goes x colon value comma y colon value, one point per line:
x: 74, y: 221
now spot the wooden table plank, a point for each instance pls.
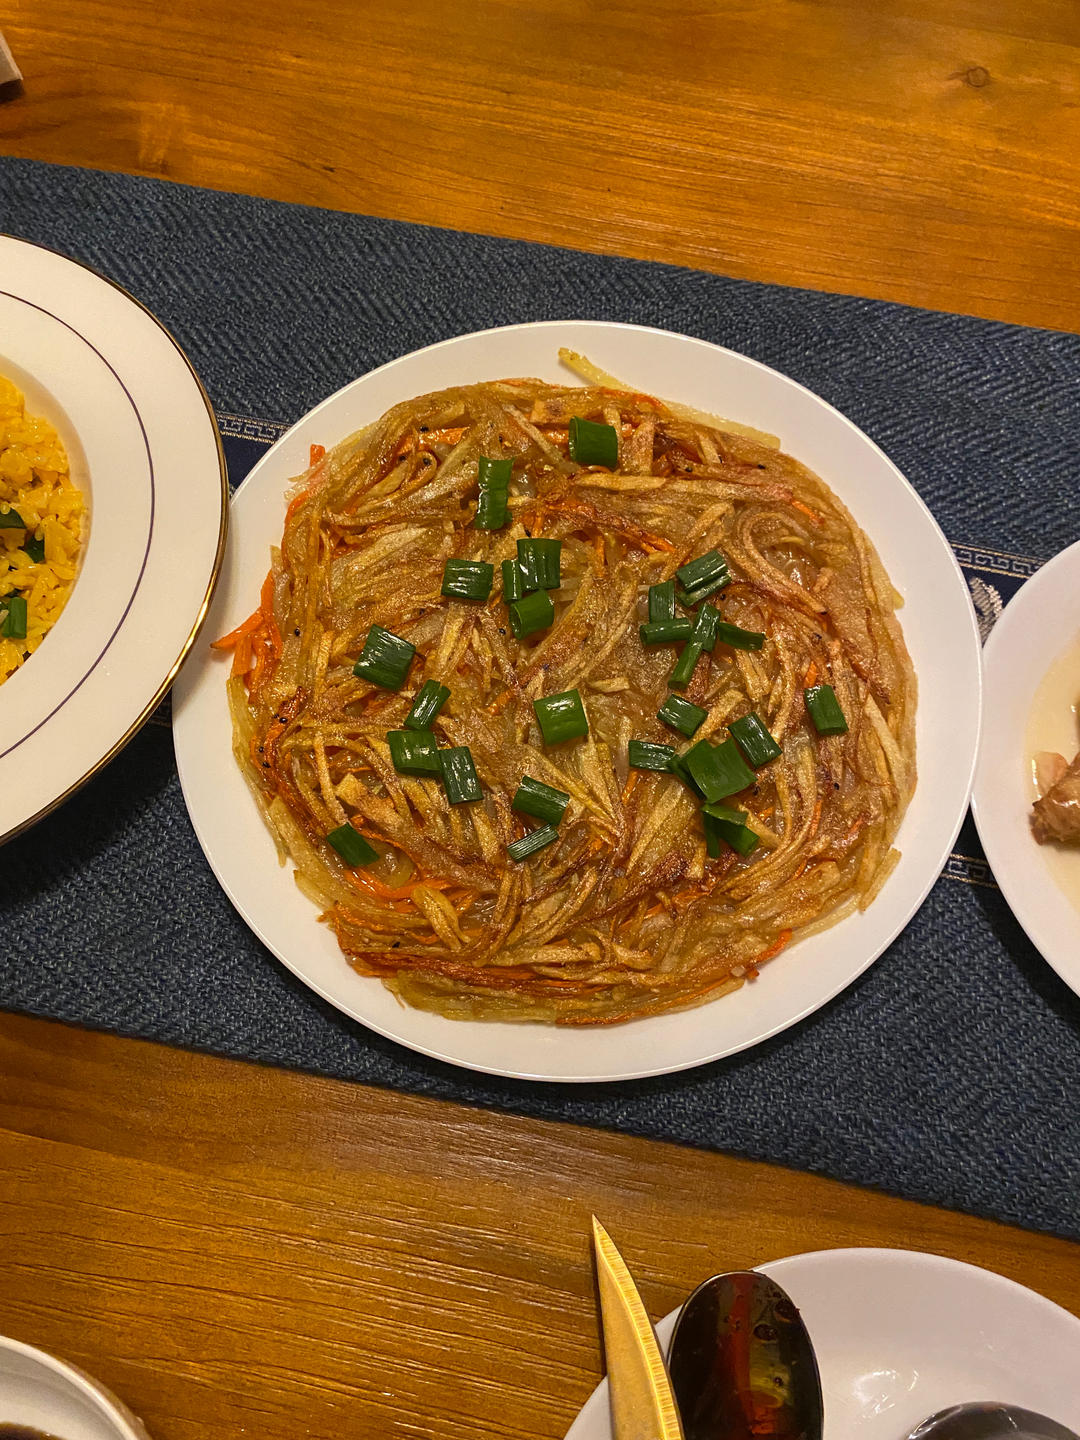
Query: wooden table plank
x: 242, y: 1251
x: 909, y: 150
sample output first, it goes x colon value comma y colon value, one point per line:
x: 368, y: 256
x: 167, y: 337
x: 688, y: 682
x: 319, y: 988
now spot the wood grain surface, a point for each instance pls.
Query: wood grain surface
x: 244, y: 1252
x: 913, y: 149
x: 240, y: 1252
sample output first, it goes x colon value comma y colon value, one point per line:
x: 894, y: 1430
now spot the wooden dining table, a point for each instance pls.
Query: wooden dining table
x: 238, y: 1250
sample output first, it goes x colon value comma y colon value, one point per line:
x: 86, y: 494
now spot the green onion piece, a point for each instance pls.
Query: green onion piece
x: 10, y: 519
x: 753, y: 739
x: 824, y: 710
x: 13, y: 625
x: 36, y: 550
x: 493, y: 507
x: 492, y: 510
x: 722, y: 824
x: 467, y: 579
x: 550, y: 562
x: 706, y: 626
x: 430, y: 700
x: 351, y: 846
x: 678, y: 767
x: 531, y: 843
x: 531, y: 613
x: 593, y: 444
x: 718, y: 770
x: 385, y: 659
x: 494, y: 474
x: 681, y: 715
x: 459, y: 775
x: 414, y: 752
x: 738, y: 638
x: 664, y: 632
x: 700, y: 577
x: 544, y: 802
x: 540, y: 561
x: 512, y: 581
x: 561, y: 717
x: 662, y: 601
x: 646, y: 755
x: 683, y: 672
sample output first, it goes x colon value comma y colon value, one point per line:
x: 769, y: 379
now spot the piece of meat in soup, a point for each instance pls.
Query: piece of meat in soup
x: 1057, y: 815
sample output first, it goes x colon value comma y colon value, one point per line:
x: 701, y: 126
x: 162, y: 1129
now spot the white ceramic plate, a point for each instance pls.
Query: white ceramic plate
x: 938, y: 622
x: 1040, y: 623
x: 44, y: 1393
x: 900, y: 1335
x: 145, y: 450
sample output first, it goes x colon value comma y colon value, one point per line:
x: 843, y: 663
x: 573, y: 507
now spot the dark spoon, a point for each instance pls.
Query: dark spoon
x: 989, y: 1420
x: 741, y: 1363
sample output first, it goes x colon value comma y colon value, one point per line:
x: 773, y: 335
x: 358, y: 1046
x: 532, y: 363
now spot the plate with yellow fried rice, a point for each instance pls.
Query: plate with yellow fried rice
x: 113, y: 504
x: 580, y: 702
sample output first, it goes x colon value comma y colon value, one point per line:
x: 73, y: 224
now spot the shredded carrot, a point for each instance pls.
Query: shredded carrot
x: 813, y: 514
x: 250, y: 625
x: 315, y: 454
x: 810, y: 676
x: 816, y: 820
x: 628, y: 788
x: 774, y: 949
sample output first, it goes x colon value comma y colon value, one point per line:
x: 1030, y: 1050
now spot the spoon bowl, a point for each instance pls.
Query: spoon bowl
x: 989, y: 1420
x: 742, y: 1366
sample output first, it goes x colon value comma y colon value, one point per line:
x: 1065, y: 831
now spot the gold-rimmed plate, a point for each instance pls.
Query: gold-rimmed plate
x: 144, y: 449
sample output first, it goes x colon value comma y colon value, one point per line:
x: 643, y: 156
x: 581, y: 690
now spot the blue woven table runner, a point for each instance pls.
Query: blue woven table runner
x: 951, y: 1071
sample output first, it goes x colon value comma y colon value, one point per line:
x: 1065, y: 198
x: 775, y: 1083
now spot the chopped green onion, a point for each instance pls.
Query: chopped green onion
x: 593, y: 444
x: 662, y: 601
x: 824, y: 710
x: 729, y: 826
x: 351, y: 846
x: 533, y: 797
x: 681, y: 715
x: 678, y: 767
x: 13, y: 625
x: 494, y: 474
x: 561, y: 717
x: 10, y: 519
x: 492, y: 510
x: 738, y: 638
x: 646, y: 755
x: 36, y: 550
x: 754, y: 740
x: 683, y: 672
x: 699, y: 578
x: 528, y: 562
x: 414, y: 752
x: 531, y: 613
x: 459, y: 775
x: 467, y: 579
x: 512, y: 581
x: 706, y: 626
x: 531, y: 843
x: 385, y: 659
x: 665, y: 632
x: 718, y: 770
x: 539, y: 561
x: 430, y: 700
x: 494, y: 478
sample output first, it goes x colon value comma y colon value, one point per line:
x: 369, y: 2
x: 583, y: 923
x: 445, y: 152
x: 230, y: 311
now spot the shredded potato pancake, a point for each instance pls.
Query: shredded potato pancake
x: 634, y: 906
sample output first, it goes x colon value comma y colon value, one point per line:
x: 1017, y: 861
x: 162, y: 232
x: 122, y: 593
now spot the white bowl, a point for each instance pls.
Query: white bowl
x: 47, y: 1394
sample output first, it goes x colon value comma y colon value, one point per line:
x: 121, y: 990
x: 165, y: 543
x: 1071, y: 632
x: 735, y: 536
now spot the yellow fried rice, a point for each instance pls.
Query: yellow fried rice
x: 39, y: 552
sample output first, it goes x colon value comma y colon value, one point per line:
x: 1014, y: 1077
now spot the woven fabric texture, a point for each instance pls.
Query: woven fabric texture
x: 950, y: 1072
